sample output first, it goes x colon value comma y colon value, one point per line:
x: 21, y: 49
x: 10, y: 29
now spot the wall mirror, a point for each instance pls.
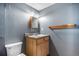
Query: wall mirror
x: 34, y: 24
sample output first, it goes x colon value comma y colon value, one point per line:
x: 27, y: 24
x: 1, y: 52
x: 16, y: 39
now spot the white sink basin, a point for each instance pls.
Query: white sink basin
x: 37, y: 36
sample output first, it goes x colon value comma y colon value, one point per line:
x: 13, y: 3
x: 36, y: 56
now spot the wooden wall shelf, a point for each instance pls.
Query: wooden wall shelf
x: 65, y: 26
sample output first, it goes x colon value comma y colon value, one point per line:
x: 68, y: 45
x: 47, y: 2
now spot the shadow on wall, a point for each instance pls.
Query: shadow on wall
x: 24, y: 45
x: 2, y: 47
x: 3, y: 51
x: 52, y: 49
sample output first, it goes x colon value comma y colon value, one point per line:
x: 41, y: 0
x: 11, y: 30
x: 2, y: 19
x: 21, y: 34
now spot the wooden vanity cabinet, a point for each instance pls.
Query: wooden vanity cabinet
x: 37, y: 46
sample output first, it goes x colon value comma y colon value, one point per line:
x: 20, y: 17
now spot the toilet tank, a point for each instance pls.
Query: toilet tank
x: 13, y: 49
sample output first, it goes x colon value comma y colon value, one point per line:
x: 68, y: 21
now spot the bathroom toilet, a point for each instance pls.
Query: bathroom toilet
x: 14, y: 49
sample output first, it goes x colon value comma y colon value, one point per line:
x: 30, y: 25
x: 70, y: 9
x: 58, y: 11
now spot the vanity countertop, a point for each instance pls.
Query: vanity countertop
x: 38, y: 36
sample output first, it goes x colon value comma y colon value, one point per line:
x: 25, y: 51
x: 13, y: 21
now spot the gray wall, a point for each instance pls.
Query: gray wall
x: 66, y: 40
x: 16, y: 22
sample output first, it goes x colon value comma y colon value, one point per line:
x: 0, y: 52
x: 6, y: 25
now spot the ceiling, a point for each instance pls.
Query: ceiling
x: 39, y: 6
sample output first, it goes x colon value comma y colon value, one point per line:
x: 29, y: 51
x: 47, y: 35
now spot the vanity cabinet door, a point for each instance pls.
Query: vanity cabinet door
x: 28, y: 46
x: 43, y: 46
x: 39, y: 50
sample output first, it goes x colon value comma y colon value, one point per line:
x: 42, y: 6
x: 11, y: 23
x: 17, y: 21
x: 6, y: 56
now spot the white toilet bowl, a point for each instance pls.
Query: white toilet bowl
x: 14, y: 49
